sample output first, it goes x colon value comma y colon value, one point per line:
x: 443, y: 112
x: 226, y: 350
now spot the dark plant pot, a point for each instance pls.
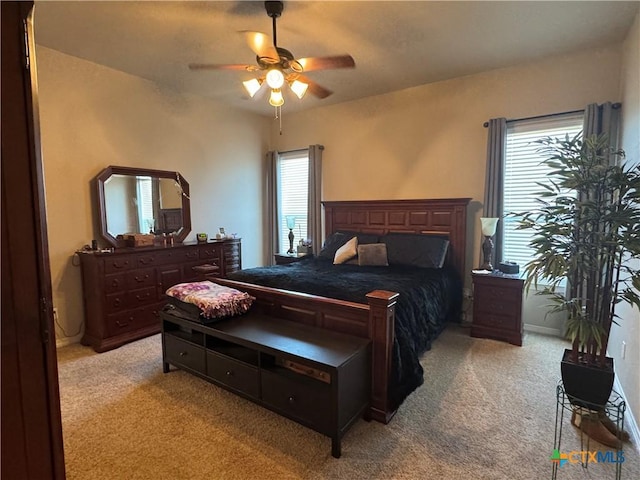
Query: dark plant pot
x: 587, y: 386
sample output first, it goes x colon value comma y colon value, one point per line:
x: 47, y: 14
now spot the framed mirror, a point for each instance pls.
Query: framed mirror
x: 136, y: 200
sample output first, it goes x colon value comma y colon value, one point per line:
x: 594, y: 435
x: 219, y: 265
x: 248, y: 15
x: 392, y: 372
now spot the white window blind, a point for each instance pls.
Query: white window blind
x: 293, y: 193
x: 523, y: 172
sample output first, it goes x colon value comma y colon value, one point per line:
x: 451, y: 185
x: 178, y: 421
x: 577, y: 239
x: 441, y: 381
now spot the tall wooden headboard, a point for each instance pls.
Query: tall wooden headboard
x: 442, y: 216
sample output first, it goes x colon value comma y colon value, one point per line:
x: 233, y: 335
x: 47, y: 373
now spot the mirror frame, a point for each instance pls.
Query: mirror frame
x: 113, y: 170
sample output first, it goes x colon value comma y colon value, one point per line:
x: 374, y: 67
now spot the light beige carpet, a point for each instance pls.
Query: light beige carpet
x: 486, y: 411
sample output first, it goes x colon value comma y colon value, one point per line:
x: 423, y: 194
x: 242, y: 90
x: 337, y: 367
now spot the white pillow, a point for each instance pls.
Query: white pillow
x: 346, y: 252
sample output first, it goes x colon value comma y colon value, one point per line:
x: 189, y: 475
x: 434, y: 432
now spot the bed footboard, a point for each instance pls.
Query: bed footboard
x: 374, y: 321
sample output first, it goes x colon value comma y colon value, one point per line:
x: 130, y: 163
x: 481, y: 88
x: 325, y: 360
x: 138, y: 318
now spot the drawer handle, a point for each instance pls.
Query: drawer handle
x: 115, y: 283
x: 183, y: 354
x: 118, y: 265
x: 142, y: 297
x: 140, y: 280
x: 145, y: 261
x: 292, y: 399
x: 123, y: 324
x: 117, y: 302
x: 229, y: 373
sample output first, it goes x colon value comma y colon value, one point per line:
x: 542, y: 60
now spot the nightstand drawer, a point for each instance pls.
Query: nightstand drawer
x: 503, y: 307
x: 495, y: 320
x: 492, y: 293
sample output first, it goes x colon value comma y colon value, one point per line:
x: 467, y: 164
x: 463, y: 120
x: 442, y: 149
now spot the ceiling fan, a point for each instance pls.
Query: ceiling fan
x: 278, y: 66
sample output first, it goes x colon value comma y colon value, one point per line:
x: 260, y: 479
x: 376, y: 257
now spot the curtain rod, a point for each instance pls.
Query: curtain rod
x: 615, y: 106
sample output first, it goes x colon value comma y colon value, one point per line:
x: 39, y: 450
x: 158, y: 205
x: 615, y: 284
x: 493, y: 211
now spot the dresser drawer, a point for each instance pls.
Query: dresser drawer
x: 134, y: 319
x: 141, y: 278
x: 211, y: 253
x: 164, y: 257
x: 234, y: 374
x: 303, y: 399
x: 184, y: 354
x: 118, y: 264
x: 116, y: 282
x: 131, y: 299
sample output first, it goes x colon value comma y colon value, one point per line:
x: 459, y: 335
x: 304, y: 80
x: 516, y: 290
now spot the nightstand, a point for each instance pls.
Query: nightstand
x: 285, y: 258
x: 497, y: 307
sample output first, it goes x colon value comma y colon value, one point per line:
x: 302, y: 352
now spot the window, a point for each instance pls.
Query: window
x: 293, y: 194
x: 523, y: 172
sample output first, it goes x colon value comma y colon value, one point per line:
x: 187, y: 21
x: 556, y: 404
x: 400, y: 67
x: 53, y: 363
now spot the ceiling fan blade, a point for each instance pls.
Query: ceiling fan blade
x: 214, y: 66
x: 314, y: 88
x: 324, y: 63
x: 262, y: 46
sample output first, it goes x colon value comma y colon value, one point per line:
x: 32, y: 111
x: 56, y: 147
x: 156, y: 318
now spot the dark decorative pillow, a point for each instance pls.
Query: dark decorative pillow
x: 332, y: 244
x: 372, y: 254
x: 339, y: 238
x: 427, y: 251
x: 363, y: 237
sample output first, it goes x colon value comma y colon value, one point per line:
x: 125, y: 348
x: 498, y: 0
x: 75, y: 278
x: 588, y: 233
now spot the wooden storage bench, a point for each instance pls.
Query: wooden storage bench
x: 318, y: 378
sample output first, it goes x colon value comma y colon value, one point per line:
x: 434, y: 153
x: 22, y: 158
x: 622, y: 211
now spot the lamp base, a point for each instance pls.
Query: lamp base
x: 487, y: 250
x: 290, y: 251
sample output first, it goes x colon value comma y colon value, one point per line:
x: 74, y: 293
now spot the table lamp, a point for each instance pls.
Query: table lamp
x: 291, y: 223
x: 488, y: 230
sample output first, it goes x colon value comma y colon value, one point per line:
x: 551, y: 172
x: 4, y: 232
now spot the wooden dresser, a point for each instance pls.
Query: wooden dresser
x: 124, y: 290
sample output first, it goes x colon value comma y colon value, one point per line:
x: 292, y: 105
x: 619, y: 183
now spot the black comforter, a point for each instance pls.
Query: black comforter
x: 429, y: 297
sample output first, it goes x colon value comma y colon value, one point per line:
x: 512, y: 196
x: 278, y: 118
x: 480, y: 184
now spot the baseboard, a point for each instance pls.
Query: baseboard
x: 63, y: 342
x: 543, y: 330
x: 630, y: 422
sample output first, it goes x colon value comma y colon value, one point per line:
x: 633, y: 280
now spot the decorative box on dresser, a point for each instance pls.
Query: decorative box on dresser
x: 124, y: 290
x: 497, y: 307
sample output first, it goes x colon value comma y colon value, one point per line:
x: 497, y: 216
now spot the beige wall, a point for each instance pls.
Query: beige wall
x: 628, y: 368
x: 429, y: 142
x: 93, y: 116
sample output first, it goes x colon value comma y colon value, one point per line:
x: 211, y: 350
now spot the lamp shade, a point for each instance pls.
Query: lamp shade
x: 252, y: 86
x: 276, y: 99
x: 299, y: 88
x: 489, y: 226
x: 291, y: 221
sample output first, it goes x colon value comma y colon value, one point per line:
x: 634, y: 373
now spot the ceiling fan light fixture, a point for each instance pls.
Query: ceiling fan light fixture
x: 275, y: 78
x: 299, y: 88
x: 252, y: 86
x: 276, y: 99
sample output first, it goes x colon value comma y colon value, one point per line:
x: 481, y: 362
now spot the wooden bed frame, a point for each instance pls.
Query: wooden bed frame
x: 374, y: 320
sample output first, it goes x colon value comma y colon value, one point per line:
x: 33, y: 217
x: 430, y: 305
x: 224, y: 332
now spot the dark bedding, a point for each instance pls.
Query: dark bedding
x: 429, y: 297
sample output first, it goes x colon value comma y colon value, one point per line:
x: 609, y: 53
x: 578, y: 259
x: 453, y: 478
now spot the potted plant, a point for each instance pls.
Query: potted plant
x: 586, y: 235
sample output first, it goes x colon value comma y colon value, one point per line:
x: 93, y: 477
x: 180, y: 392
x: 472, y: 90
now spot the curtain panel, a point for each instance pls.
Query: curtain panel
x: 314, y: 208
x: 271, y: 206
x: 603, y: 118
x: 494, y: 181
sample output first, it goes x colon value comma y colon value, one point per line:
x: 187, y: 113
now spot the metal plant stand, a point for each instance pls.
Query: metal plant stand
x: 614, y: 409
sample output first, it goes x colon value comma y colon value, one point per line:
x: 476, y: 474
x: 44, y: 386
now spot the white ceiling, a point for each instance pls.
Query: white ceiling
x: 395, y: 44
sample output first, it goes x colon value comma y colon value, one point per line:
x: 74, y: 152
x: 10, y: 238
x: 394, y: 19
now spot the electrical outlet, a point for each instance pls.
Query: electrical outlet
x: 624, y: 350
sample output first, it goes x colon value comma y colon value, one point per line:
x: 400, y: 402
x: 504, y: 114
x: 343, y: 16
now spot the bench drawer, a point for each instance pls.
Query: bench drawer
x: 236, y: 375
x: 184, y: 354
x: 302, y: 400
